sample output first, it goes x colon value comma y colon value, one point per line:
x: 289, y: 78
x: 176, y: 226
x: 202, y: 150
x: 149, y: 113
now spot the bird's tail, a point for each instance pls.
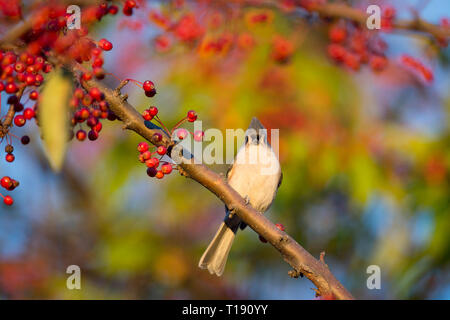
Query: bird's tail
x: 215, y: 256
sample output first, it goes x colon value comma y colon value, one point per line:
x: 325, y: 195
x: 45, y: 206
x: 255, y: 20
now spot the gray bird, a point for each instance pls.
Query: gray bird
x: 256, y: 175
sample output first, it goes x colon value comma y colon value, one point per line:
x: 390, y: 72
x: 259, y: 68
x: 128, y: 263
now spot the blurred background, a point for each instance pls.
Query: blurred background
x: 365, y: 158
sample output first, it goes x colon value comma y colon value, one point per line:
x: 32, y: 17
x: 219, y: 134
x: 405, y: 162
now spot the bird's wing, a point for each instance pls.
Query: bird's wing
x: 281, y: 179
x: 229, y: 172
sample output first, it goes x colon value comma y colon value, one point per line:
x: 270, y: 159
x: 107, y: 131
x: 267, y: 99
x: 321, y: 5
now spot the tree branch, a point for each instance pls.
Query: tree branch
x: 336, y: 10
x: 292, y: 252
x: 7, y: 122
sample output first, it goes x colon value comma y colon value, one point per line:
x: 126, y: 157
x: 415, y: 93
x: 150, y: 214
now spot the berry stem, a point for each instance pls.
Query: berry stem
x: 135, y: 82
x: 162, y: 124
x: 178, y: 124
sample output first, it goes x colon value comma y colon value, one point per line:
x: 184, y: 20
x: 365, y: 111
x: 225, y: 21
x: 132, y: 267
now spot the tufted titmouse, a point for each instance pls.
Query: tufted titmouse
x: 256, y: 175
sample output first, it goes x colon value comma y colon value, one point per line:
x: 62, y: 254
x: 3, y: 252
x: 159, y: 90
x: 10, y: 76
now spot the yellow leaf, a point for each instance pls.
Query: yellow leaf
x: 53, y: 116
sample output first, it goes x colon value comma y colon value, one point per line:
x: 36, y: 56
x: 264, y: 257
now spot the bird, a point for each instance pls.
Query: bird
x: 256, y: 175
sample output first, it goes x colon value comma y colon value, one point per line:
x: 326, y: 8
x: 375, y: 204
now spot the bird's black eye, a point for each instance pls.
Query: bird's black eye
x: 257, y: 138
x: 246, y: 139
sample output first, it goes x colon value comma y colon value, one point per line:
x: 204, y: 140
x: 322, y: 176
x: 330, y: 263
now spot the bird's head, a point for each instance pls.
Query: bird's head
x: 256, y: 133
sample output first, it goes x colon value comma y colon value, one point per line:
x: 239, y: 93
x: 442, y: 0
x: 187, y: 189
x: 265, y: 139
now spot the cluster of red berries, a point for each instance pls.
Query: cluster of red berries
x: 24, y: 70
x: 279, y: 226
x: 155, y: 167
x: 152, y: 113
x: 90, y: 108
x: 95, y: 53
x: 149, y: 88
x: 9, y: 184
x: 147, y: 157
x: 418, y: 67
x: 20, y: 72
x: 353, y: 46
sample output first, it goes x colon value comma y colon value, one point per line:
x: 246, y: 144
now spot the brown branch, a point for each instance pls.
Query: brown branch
x: 293, y: 253
x: 7, y: 122
x: 344, y: 11
x: 335, y: 10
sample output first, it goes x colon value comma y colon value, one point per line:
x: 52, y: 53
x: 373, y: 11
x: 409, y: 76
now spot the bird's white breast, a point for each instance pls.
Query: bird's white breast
x: 256, y: 174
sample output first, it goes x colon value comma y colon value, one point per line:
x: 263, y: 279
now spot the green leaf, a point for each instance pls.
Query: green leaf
x: 53, y: 116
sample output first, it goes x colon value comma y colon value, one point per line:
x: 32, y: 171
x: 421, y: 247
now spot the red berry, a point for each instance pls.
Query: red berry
x: 191, y: 115
x: 98, y: 127
x: 389, y: 13
x: 8, y: 200
x: 150, y: 93
x: 159, y: 174
x: 113, y: 9
x: 280, y: 226
x: 96, y: 52
x: 105, y: 44
x: 39, y: 80
x: 97, y: 63
x: 153, y: 111
x: 10, y: 157
x: 19, y: 67
x: 130, y: 3
x: 166, y: 168
x: 99, y: 73
x: 92, y: 121
x: 151, y: 172
x: 28, y: 113
x: 182, y: 133
x: 93, y: 135
x: 128, y: 11
x: 146, y: 155
x: 337, y: 34
x: 18, y: 107
x: 96, y: 94
x: 157, y: 137
x: 146, y: 115
x: 47, y: 68
x: 25, y: 140
x: 152, y: 163
x: 19, y: 120
x: 161, y: 150
x: 11, y: 88
x: 84, y: 113
x: 8, y: 70
x: 6, y: 182
x: 142, y: 147
x: 34, y: 95
x: 378, y: 63
x: 81, y: 135
x: 86, y: 76
x: 336, y: 51
x: 198, y: 135
x: 148, y: 85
